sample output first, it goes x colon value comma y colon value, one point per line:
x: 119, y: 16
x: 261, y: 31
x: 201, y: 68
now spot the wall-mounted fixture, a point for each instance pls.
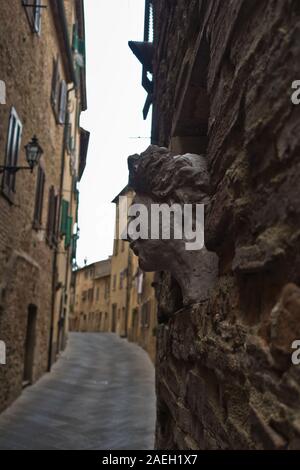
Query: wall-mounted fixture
x: 33, y: 154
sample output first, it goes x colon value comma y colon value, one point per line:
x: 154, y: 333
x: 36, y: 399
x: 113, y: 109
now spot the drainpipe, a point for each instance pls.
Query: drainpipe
x: 54, y: 265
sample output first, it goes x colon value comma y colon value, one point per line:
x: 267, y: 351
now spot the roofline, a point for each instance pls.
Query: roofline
x: 92, y: 264
x: 124, y: 190
x: 60, y: 22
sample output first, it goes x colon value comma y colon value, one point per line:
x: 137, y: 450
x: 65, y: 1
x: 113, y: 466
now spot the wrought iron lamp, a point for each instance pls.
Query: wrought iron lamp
x: 33, y: 154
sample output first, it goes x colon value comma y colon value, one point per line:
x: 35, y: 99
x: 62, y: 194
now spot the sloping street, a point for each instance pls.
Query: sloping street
x: 99, y: 395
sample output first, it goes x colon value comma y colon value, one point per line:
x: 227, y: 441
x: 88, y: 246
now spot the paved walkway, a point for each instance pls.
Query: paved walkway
x: 100, y: 395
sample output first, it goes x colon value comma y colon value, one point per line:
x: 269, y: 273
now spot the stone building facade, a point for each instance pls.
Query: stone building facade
x: 91, y: 298
x: 115, y: 295
x: 222, y: 86
x: 142, y: 311
x: 132, y: 298
x: 120, y: 271
x: 42, y: 66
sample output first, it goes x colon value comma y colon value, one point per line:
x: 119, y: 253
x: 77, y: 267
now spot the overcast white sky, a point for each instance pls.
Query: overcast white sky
x: 115, y: 102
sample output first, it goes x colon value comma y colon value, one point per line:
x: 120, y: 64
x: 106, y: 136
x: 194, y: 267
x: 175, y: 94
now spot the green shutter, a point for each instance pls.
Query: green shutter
x: 81, y: 48
x: 64, y: 217
x: 69, y: 233
x: 75, y: 38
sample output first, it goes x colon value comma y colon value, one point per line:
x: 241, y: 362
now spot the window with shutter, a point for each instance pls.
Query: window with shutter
x: 37, y: 11
x: 69, y: 138
x: 69, y: 233
x: 55, y: 228
x: 55, y: 81
x: 62, y: 103
x: 64, y: 217
x: 75, y: 37
x: 58, y: 94
x: 14, y: 136
x: 39, y: 197
x: 52, y: 222
x: 33, y: 9
x: 74, y: 247
x: 51, y: 216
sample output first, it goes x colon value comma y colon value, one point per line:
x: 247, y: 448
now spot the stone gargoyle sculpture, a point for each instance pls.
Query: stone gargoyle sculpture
x: 160, y: 177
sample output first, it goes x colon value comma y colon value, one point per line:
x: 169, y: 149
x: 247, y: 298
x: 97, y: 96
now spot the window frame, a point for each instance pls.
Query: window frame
x: 12, y: 150
x: 52, y: 218
x: 37, y: 17
x: 33, y: 10
x: 59, y: 94
x: 39, y: 199
x: 62, y: 108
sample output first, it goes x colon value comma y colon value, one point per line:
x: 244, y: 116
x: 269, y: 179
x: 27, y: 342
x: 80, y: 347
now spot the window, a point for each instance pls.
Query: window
x: 62, y: 102
x: 55, y: 86
x: 70, y: 139
x: 12, y: 153
x: 59, y: 94
x: 91, y: 295
x: 37, y: 16
x: 106, y: 292
x: 98, y: 293
x: 116, y: 247
x: 145, y: 317
x: 121, y: 281
x: 51, y: 230
x: 64, y: 217
x: 114, y: 282
x: 39, y: 198
x: 33, y: 9
x: 69, y: 232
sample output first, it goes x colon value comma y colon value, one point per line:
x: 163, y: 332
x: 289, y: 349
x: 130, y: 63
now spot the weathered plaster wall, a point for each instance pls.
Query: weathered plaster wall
x: 224, y: 373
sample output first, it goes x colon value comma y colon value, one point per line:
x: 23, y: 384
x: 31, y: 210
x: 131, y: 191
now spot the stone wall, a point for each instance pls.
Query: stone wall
x: 224, y: 373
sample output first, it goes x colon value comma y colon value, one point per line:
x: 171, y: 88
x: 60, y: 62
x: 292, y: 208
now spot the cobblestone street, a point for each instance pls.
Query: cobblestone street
x: 99, y: 395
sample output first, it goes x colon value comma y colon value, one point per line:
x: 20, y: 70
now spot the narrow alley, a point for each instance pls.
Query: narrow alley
x: 150, y: 230
x: 99, y: 395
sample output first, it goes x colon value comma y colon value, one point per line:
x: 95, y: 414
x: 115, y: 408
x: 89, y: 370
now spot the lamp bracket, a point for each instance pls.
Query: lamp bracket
x: 14, y: 169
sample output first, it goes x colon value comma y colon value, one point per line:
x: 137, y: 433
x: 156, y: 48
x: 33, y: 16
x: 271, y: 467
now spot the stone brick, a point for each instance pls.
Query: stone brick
x: 240, y: 389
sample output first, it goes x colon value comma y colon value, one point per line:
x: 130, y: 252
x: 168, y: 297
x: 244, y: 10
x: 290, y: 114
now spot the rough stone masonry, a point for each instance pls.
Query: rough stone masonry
x: 223, y: 74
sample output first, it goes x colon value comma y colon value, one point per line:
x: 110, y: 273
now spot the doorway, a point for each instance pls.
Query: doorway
x: 29, y: 344
x: 114, y: 318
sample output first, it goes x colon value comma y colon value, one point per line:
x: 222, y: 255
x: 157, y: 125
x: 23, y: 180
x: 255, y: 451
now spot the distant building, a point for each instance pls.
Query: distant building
x: 142, y: 314
x: 91, y: 298
x: 132, y: 299
x: 120, y: 274
x: 115, y: 295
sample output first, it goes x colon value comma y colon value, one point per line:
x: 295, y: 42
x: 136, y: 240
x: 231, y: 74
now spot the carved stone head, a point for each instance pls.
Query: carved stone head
x: 160, y: 177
